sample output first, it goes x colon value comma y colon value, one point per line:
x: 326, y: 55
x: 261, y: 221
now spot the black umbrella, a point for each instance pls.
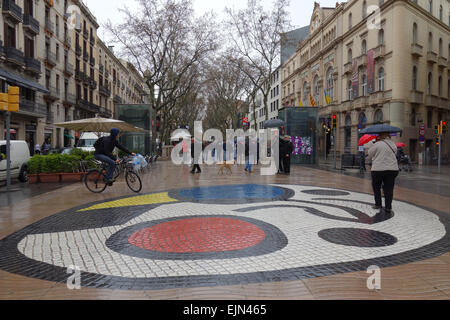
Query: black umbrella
x: 380, y: 128
x: 273, y: 123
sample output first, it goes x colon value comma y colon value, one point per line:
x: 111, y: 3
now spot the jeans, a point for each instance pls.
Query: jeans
x: 248, y: 166
x: 110, y: 162
x: 387, y: 180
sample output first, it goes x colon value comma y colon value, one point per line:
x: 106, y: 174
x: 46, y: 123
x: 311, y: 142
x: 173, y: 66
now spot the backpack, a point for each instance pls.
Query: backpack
x: 99, y: 143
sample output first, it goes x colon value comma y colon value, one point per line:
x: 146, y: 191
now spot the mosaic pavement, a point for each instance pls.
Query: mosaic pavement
x: 223, y: 235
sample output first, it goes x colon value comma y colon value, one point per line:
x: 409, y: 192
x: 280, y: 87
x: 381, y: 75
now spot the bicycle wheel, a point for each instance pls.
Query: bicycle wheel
x: 133, y: 181
x: 94, y: 181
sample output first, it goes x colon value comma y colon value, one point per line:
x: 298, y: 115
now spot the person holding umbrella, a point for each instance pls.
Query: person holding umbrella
x: 383, y: 155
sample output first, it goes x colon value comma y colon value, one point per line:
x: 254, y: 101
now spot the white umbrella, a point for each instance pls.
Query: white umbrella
x: 98, y: 125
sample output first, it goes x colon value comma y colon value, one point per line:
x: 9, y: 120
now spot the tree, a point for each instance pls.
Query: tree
x: 256, y: 35
x: 166, y: 44
x: 225, y: 89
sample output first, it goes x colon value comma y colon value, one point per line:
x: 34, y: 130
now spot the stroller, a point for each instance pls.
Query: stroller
x: 404, y: 163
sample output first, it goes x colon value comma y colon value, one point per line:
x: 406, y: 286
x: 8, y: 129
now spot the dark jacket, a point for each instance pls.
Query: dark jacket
x: 107, y: 147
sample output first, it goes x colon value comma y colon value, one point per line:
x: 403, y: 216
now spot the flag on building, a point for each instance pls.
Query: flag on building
x: 327, y: 98
x: 313, y: 102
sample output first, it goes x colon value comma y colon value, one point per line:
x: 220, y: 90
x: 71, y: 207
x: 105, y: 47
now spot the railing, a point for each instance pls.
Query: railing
x: 379, y: 51
x: 105, y: 113
x: 101, y: 68
x: 416, y: 97
x: 70, y: 98
x: 117, y: 99
x: 14, y: 55
x: 31, y: 23
x: 32, y: 107
x: 86, y: 56
x: 444, y: 103
x: 32, y: 64
x: 50, y: 117
x: 53, y: 92
x: 431, y: 100
x: 92, y: 61
x: 88, y: 106
x: 442, y: 62
x: 105, y: 91
x: 92, y: 40
x: 348, y: 67
x: 68, y: 68
x: 78, y: 50
x: 68, y: 40
x: 432, y: 57
x: 14, y: 11
x: 85, y: 34
x: 50, y: 26
x: 416, y: 50
x: 50, y: 57
x: 362, y: 60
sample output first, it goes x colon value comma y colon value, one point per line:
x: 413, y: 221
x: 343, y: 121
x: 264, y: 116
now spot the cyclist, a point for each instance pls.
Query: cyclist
x: 103, y: 152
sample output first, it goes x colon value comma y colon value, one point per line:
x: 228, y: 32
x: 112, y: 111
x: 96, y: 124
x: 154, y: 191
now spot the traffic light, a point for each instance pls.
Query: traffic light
x: 334, y: 121
x: 437, y: 141
x: 437, y: 130
x: 13, y: 99
x: 443, y: 127
x: 3, y: 102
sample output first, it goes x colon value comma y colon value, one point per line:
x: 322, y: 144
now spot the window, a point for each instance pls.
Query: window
x: 349, y: 21
x: 330, y: 83
x: 440, y: 86
x: 381, y: 37
x: 430, y: 42
x: 414, y: 78
x: 441, y: 52
x: 316, y: 89
x: 364, y: 9
x: 364, y: 85
x: 430, y: 6
x: 381, y: 79
x: 305, y: 91
x: 414, y: 33
x: 350, y: 55
x: 348, y: 131
x: 430, y: 83
x: 362, y: 120
x: 429, y: 119
x: 350, y: 90
x: 440, y: 13
x: 378, y: 117
x: 10, y: 36
x: 364, y: 47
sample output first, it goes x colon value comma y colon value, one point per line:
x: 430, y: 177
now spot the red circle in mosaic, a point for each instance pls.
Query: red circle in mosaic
x: 196, y: 235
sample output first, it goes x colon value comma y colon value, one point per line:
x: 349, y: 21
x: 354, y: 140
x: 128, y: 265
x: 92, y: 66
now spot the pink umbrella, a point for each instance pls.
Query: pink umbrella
x: 365, y: 139
x: 400, y: 145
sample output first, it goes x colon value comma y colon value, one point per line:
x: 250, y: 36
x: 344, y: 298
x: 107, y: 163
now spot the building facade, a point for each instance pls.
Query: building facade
x: 50, y: 49
x: 377, y: 62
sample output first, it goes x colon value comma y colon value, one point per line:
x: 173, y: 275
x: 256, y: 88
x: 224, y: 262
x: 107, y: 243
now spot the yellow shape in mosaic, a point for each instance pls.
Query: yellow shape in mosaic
x: 134, y: 201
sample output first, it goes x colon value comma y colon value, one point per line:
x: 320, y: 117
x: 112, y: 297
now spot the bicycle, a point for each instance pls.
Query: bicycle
x: 95, y: 179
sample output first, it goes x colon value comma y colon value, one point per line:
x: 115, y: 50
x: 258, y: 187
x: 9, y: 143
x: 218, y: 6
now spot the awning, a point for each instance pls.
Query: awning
x: 69, y: 136
x: 20, y: 81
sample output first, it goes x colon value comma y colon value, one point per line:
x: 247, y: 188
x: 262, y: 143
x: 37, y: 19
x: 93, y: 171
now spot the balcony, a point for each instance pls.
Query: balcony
x: 106, y: 74
x: 68, y: 41
x: 92, y: 40
x: 105, y: 113
x: 117, y: 99
x: 32, y: 65
x: 348, y: 68
x: 92, y: 61
x: 70, y: 98
x: 1, y: 48
x: 86, y: 34
x: 68, y: 68
x: 50, y: 117
x: 50, y: 58
x: 431, y: 100
x: 28, y: 106
x: 432, y: 57
x: 31, y: 24
x: 101, y: 68
x: 379, y: 52
x: 80, y: 76
x: 105, y: 91
x: 92, y: 84
x: 416, y: 50
x: 360, y: 102
x: 78, y: 50
x: 49, y: 26
x: 86, y: 56
x: 444, y: 103
x: 442, y: 62
x: 416, y: 97
x: 88, y: 106
x: 12, y: 10
x: 53, y: 93
x: 14, y: 56
x: 362, y: 60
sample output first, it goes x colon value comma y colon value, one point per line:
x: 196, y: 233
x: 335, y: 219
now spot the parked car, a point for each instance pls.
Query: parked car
x: 66, y: 150
x: 87, y: 141
x: 20, y: 155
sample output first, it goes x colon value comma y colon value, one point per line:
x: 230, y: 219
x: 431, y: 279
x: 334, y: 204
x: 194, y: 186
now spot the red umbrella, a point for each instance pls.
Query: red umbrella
x: 400, y: 145
x: 365, y: 139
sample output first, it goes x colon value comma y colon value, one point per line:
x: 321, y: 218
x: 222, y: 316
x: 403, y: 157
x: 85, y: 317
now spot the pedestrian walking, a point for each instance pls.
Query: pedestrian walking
x: 288, y: 148
x: 383, y: 155
x: 195, y: 158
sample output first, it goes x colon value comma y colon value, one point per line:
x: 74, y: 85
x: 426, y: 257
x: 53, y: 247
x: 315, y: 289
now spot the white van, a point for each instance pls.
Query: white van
x: 20, y: 155
x: 87, y: 141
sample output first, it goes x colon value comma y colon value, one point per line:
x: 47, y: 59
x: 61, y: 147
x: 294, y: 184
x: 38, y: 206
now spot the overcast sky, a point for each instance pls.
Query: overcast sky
x: 300, y: 10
